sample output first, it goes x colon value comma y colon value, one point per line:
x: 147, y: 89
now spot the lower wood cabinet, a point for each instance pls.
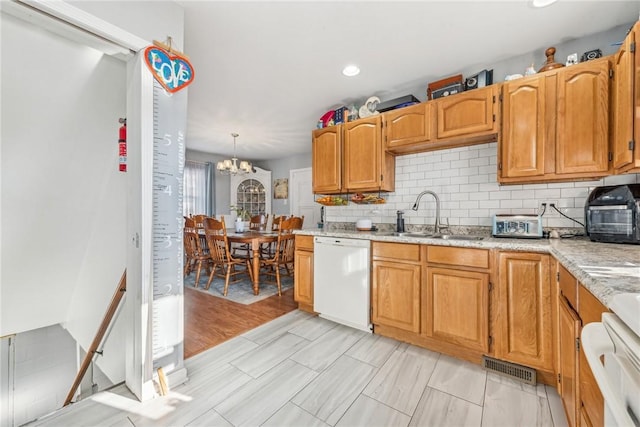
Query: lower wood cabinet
x: 582, y: 399
x: 396, y: 285
x: 457, y: 307
x: 456, y: 297
x: 303, y: 273
x: 524, y: 318
x: 568, y: 335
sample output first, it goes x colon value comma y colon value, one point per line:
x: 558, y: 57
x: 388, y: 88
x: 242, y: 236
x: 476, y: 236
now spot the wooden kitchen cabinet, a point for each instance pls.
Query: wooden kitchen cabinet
x: 471, y: 114
x: 367, y: 166
x: 303, y: 273
x: 568, y: 335
x: 626, y: 104
x: 409, y: 129
x: 524, y: 329
x: 456, y: 297
x: 396, y: 285
x: 327, y: 160
x: 556, y: 125
x: 577, y: 386
x: 524, y: 137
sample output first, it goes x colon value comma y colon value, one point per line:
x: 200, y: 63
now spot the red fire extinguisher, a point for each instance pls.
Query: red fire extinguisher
x: 122, y: 145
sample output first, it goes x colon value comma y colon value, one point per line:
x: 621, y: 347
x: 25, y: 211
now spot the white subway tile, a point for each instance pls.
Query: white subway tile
x: 547, y: 194
x: 620, y: 179
x: 479, y: 161
x: 509, y: 204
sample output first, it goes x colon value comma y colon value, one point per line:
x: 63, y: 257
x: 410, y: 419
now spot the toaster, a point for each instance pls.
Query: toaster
x: 517, y: 226
x: 612, y: 214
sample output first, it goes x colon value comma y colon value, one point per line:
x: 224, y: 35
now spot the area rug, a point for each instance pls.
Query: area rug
x: 240, y: 292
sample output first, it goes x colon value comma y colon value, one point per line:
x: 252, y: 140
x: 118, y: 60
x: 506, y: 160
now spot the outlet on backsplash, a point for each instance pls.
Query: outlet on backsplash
x: 545, y: 207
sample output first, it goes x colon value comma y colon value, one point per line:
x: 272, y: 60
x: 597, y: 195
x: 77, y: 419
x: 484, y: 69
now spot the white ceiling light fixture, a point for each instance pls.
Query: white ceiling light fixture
x: 542, y: 3
x: 230, y: 167
x: 351, y: 70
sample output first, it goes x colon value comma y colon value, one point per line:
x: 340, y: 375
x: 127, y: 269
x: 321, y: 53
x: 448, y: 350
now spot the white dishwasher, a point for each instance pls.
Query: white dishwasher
x: 341, y: 281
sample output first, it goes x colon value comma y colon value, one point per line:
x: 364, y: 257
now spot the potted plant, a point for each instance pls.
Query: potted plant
x: 242, y: 218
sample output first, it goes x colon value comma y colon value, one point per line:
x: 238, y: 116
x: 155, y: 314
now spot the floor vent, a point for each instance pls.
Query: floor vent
x: 511, y: 370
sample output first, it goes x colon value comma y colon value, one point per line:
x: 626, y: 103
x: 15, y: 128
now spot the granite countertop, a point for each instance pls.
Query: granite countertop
x: 605, y: 269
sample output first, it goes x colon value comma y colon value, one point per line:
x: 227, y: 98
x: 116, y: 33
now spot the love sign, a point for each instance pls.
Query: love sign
x: 173, y: 72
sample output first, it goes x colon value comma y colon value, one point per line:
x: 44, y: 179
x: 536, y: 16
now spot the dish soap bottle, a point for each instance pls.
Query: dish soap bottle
x: 400, y: 222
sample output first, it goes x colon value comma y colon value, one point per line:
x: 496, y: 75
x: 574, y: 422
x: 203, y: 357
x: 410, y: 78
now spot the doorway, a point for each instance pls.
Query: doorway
x: 302, y: 200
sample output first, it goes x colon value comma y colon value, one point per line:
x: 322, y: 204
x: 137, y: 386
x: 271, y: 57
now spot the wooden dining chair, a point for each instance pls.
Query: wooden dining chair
x: 281, y: 262
x: 258, y: 222
x: 199, y: 220
x: 297, y: 222
x: 216, y: 235
x: 195, y: 256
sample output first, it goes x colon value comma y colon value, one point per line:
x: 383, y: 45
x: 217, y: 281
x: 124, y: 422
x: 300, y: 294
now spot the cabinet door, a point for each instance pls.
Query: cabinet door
x: 591, y: 399
x: 582, y: 132
x: 327, y: 160
x: 522, y: 145
x: 623, y: 104
x: 467, y: 113
x: 395, y: 295
x: 362, y: 154
x: 303, y: 278
x: 457, y: 308
x: 407, y: 126
x: 569, y: 330
x: 525, y: 327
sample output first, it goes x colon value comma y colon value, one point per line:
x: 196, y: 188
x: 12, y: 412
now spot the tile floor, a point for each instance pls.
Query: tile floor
x: 300, y: 370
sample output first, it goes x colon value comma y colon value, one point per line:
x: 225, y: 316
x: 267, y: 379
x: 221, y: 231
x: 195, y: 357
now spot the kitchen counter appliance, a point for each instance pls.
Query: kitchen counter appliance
x: 517, y: 226
x: 341, y: 281
x: 612, y: 214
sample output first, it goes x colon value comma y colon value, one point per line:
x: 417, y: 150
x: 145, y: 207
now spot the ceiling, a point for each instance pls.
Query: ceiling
x: 269, y: 69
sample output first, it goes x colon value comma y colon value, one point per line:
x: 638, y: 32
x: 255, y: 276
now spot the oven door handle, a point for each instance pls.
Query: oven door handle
x: 596, y: 343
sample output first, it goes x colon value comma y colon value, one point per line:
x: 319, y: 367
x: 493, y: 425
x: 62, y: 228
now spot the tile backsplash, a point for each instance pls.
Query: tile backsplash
x: 465, y: 180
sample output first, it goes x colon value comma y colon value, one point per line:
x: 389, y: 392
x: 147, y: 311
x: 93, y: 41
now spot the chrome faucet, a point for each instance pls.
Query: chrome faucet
x: 437, y: 226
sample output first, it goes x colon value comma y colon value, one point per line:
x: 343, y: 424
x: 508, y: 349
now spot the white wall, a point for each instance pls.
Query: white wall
x: 465, y: 180
x: 63, y: 199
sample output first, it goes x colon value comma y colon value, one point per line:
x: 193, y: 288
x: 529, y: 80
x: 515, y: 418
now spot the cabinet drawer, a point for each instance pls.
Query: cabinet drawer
x: 568, y: 286
x: 467, y: 257
x: 401, y: 251
x: 304, y: 242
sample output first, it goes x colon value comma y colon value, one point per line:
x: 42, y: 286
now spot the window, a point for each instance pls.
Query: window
x: 198, y: 189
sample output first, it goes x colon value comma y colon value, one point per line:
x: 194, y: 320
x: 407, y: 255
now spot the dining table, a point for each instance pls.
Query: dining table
x: 255, y: 239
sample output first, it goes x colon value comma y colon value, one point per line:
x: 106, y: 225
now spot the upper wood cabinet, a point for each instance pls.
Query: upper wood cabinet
x: 409, y: 129
x: 626, y: 105
x: 555, y: 125
x: 524, y: 109
x: 367, y: 166
x: 462, y: 119
x: 524, y: 311
x: 471, y: 114
x: 327, y: 160
x: 582, y: 132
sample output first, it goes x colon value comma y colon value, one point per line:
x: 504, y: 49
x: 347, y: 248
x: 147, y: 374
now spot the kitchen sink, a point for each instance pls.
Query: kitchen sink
x: 431, y: 236
x: 457, y: 237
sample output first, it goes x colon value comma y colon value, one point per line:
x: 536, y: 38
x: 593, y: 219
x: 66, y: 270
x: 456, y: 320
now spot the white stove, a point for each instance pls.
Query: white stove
x: 617, y: 338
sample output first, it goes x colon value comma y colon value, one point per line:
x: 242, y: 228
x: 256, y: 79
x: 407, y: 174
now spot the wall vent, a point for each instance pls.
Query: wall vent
x: 511, y: 370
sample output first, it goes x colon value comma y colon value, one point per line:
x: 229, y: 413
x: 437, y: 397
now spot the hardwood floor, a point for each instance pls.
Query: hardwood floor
x: 209, y: 321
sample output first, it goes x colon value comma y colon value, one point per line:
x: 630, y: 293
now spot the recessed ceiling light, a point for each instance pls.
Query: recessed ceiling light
x: 351, y: 70
x: 542, y: 3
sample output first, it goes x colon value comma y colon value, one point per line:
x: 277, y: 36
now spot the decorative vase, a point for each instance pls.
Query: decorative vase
x: 239, y: 225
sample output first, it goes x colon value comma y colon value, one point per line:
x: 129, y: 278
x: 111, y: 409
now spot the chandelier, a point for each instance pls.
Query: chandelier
x: 230, y: 167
